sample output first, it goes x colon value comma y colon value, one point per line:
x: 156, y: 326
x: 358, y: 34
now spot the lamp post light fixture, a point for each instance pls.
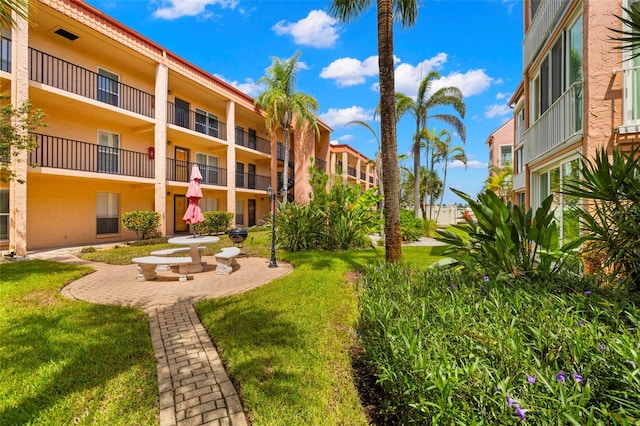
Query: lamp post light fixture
x: 273, y: 196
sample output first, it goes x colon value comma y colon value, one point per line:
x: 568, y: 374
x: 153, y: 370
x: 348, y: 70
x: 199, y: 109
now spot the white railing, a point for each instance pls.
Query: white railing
x: 519, y: 181
x: 519, y: 133
x: 539, y: 28
x: 560, y: 123
x: 630, y: 99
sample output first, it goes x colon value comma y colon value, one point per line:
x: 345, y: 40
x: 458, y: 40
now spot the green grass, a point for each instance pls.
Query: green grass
x: 70, y: 362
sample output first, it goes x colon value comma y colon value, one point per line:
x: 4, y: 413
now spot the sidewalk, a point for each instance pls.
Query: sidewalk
x: 194, y: 388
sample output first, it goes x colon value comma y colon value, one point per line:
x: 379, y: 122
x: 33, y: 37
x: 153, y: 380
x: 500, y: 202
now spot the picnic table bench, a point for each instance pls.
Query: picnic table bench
x: 147, y: 266
x: 226, y: 260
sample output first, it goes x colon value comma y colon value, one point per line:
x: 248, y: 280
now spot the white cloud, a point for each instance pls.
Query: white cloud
x: 350, y: 71
x: 173, y: 9
x: 473, y: 164
x: 317, y: 30
x: 500, y: 96
x: 497, y: 110
x: 334, y: 142
x: 339, y: 117
x: 472, y: 82
x: 249, y: 86
x: 345, y: 138
x: 408, y: 76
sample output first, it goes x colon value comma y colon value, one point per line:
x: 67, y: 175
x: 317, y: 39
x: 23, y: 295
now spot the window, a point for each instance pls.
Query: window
x: 519, y: 164
x: 208, y: 165
x: 209, y: 204
x: 520, y: 199
x: 181, y: 112
x: 251, y: 176
x: 239, y: 212
x: 108, y: 152
x: 4, y: 214
x: 108, y: 87
x: 631, y: 80
x: 239, y: 136
x: 240, y: 175
x: 206, y: 123
x: 505, y: 155
x: 252, y: 139
x: 107, y: 213
x: 533, y: 8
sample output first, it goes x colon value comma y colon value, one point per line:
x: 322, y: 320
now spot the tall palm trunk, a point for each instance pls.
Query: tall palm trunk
x: 417, y: 202
x: 286, y: 124
x: 391, y: 174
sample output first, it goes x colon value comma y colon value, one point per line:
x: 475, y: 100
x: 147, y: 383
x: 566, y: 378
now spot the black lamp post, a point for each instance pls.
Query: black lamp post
x: 273, y: 196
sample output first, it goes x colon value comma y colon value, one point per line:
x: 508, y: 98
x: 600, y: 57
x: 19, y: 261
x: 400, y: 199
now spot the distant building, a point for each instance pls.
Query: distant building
x: 353, y: 166
x: 126, y: 120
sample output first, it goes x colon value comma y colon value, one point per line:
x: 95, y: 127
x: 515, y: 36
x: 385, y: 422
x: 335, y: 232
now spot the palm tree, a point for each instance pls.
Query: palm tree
x: 419, y: 109
x: 443, y: 151
x: 500, y: 180
x: 20, y: 7
x: 406, y: 11
x: 286, y: 109
x: 629, y: 37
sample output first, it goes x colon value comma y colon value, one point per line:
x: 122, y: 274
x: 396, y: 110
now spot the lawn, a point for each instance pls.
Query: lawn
x: 70, y: 362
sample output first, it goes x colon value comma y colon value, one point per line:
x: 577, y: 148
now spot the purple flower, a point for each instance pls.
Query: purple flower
x: 520, y: 412
x: 561, y: 376
x: 587, y: 293
x: 581, y: 323
x: 452, y: 285
x: 486, y: 279
x: 602, y: 347
x: 481, y: 288
x: 577, y: 377
x: 511, y: 402
x: 531, y: 379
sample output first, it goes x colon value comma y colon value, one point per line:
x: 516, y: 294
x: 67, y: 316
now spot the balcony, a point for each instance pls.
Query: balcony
x: 280, y: 153
x: 63, y: 75
x: 540, y: 27
x: 180, y: 171
x: 321, y: 164
x: 370, y: 179
x: 363, y: 176
x: 196, y: 121
x: 252, y: 181
x: 351, y: 171
x: 5, y: 54
x: 560, y: 124
x: 61, y: 153
x: 630, y: 100
x: 251, y: 141
x: 519, y: 181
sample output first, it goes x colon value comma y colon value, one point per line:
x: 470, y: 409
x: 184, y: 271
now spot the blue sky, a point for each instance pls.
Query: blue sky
x: 474, y: 44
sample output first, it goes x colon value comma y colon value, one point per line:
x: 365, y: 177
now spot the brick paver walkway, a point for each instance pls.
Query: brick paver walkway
x: 194, y: 388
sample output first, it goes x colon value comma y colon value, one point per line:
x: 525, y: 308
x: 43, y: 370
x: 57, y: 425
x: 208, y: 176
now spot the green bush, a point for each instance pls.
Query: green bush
x: 429, y: 227
x: 505, y: 239
x: 145, y: 223
x: 216, y: 222
x: 411, y: 227
x: 453, y: 347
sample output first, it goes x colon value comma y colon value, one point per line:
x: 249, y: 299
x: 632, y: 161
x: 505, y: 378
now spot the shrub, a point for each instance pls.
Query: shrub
x: 145, y: 223
x: 452, y: 347
x: 216, y: 222
x: 411, y: 228
x: 506, y: 239
x: 89, y: 249
x: 429, y: 226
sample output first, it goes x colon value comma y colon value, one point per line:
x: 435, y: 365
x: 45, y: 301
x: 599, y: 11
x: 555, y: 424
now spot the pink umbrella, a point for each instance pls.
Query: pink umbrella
x: 193, y: 215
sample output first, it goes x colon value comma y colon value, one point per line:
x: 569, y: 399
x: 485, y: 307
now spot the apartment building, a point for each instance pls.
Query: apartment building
x: 500, y: 144
x: 126, y: 120
x: 578, y: 94
x: 354, y: 167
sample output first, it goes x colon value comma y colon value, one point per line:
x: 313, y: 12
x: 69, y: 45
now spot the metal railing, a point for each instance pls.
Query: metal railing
x: 321, y: 164
x: 351, y: 171
x: 180, y: 171
x: 63, y: 75
x: 5, y: 54
x: 61, y: 153
x: 196, y: 121
x: 252, y: 181
x: 558, y: 124
x: 251, y: 141
x: 363, y: 176
x: 540, y: 27
x: 630, y: 97
x: 370, y: 179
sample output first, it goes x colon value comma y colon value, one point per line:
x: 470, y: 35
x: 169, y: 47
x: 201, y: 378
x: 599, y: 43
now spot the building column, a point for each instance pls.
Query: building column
x: 19, y: 94
x: 231, y: 159
x: 345, y: 166
x: 160, y: 144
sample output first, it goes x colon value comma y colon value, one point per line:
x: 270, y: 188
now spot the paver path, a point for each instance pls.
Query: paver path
x: 194, y: 388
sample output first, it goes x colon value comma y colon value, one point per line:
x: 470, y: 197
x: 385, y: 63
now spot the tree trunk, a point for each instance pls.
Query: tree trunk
x: 417, y: 203
x: 285, y: 169
x: 391, y: 175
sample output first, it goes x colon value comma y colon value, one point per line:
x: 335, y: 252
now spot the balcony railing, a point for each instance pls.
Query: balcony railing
x: 363, y: 176
x: 280, y: 153
x: 61, y: 153
x: 5, y: 54
x: 180, y: 171
x: 519, y: 180
x: 559, y: 124
x: 370, y: 179
x: 252, y: 181
x: 63, y: 75
x: 251, y: 141
x: 196, y: 121
x: 351, y: 171
x: 540, y: 27
x: 321, y: 164
x: 630, y: 100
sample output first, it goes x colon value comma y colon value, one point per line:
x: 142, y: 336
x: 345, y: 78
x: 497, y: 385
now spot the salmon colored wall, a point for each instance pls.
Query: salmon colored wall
x: 504, y: 135
x: 73, y: 220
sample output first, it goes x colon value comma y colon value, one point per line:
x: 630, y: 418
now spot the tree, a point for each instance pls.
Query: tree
x: 443, y: 151
x: 16, y: 135
x: 629, y: 37
x: 20, y: 7
x: 286, y: 109
x: 500, y: 181
x: 419, y: 110
x: 406, y: 11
